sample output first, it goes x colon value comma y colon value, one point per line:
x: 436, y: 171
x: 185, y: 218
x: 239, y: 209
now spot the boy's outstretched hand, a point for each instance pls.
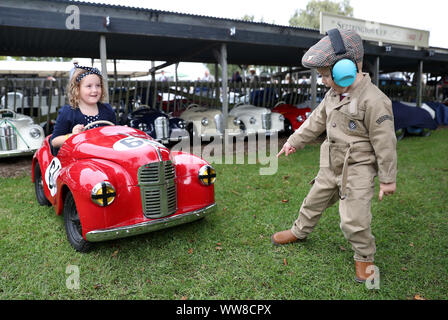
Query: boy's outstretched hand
x: 386, y: 189
x: 286, y: 149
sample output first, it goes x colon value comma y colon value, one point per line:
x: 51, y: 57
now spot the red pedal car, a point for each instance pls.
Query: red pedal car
x: 294, y: 116
x: 115, y: 181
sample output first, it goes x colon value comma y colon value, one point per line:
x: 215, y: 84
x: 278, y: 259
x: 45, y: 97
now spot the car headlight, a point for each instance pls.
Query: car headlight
x: 236, y: 121
x: 142, y: 126
x: 281, y: 118
x: 204, y: 122
x: 252, y: 120
x: 207, y: 175
x: 103, y: 194
x: 307, y: 114
x: 300, y: 118
x: 35, y: 133
x: 182, y: 124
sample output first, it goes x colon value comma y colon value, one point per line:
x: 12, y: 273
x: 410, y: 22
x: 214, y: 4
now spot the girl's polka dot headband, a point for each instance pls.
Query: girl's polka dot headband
x: 89, y: 70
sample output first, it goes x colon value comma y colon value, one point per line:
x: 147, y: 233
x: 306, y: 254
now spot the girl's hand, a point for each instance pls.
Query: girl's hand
x: 287, y: 149
x: 78, y: 128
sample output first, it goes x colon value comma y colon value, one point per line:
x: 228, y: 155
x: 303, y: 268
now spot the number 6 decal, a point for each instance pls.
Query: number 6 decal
x: 51, y: 175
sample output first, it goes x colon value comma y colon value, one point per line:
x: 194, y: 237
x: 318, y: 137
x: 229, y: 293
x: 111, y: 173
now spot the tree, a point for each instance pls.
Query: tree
x: 310, y: 17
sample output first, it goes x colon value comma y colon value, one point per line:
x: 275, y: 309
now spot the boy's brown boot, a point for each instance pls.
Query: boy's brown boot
x: 361, y: 271
x: 284, y: 237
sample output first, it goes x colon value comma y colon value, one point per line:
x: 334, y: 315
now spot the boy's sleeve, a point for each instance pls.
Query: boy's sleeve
x: 379, y: 120
x: 311, y: 128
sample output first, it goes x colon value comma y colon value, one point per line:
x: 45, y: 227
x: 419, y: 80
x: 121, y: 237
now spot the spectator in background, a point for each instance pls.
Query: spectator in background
x: 207, y: 77
x: 445, y: 87
x: 253, y: 78
x: 236, y: 77
x: 163, y: 76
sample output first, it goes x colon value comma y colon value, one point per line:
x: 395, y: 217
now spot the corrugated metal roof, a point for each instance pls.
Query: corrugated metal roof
x: 105, y: 5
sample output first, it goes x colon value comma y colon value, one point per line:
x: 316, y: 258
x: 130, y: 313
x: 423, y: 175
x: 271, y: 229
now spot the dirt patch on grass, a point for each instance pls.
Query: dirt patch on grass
x: 14, y: 167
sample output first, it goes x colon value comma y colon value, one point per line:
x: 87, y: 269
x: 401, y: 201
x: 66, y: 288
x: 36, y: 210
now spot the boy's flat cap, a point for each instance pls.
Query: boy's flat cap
x: 322, y: 54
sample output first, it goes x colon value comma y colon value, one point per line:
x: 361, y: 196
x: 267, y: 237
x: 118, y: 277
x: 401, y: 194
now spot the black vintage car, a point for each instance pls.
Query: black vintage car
x: 157, y: 124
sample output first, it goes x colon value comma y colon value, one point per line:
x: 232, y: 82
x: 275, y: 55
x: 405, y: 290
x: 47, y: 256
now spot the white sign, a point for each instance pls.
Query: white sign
x: 374, y: 31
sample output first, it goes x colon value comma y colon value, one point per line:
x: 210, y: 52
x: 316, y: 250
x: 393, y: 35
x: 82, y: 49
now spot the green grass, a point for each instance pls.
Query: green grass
x: 229, y: 254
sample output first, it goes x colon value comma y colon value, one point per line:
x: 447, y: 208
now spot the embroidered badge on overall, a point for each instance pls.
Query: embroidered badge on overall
x: 352, y: 125
x: 384, y: 118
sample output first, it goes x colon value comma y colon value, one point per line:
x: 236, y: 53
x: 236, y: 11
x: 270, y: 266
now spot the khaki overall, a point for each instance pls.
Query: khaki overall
x: 360, y: 145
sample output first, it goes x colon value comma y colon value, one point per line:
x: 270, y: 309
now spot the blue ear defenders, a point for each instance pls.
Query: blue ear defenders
x: 344, y: 71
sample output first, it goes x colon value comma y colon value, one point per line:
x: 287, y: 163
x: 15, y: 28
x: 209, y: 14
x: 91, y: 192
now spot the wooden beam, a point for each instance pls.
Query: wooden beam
x: 103, y: 55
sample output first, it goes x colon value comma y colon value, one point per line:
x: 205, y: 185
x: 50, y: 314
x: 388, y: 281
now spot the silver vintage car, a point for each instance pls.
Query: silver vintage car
x: 19, y: 135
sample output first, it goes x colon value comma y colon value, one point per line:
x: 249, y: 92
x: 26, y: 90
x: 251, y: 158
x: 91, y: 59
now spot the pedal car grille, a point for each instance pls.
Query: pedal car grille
x: 158, y: 189
x: 266, y: 121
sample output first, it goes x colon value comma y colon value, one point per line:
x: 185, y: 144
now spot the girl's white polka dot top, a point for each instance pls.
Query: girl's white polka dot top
x: 91, y: 119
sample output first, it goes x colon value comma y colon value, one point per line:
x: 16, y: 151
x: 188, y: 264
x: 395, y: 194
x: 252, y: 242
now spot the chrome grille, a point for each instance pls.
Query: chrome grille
x: 219, y: 121
x: 158, y: 189
x: 266, y: 121
x: 161, y: 124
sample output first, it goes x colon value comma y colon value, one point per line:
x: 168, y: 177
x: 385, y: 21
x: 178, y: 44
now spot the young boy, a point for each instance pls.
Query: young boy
x: 360, y: 145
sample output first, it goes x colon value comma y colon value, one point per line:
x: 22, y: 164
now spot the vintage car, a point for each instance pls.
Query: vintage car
x: 19, y: 135
x: 259, y: 120
x: 157, y: 124
x: 293, y: 114
x: 206, y: 123
x: 412, y: 120
x: 115, y: 181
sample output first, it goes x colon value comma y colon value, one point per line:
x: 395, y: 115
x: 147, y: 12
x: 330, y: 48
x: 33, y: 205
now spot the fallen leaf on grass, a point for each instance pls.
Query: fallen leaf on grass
x: 419, y: 297
x: 342, y: 248
x: 404, y: 269
x: 234, y: 192
x: 183, y: 298
x: 285, y: 200
x: 218, y: 248
x: 115, y: 253
x: 190, y: 251
x: 411, y: 244
x: 284, y: 262
x: 97, y: 286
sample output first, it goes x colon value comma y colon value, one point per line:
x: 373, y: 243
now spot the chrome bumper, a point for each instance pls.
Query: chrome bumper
x: 149, y: 226
x: 16, y: 153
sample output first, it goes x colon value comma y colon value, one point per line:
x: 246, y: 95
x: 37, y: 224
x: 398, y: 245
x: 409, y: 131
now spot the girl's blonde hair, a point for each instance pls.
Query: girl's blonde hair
x: 73, y: 88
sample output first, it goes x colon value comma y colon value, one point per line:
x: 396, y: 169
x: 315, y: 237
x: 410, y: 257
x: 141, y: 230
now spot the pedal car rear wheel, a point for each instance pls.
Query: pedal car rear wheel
x: 73, y: 226
x: 39, y: 187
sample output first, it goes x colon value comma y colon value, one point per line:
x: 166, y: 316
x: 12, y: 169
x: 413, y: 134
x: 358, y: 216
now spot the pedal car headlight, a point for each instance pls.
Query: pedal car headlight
x: 236, y: 121
x: 207, y: 175
x: 103, y: 194
x: 299, y: 118
x: 281, y: 118
x: 35, y: 133
x: 204, y: 122
x: 252, y: 120
x: 142, y: 126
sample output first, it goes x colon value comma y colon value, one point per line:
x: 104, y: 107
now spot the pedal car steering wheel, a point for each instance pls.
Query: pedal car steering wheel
x: 87, y: 127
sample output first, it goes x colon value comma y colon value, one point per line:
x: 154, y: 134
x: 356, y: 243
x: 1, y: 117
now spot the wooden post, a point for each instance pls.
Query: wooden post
x: 225, y: 101
x: 103, y: 56
x: 419, y: 83
x: 376, y: 71
x: 313, y: 88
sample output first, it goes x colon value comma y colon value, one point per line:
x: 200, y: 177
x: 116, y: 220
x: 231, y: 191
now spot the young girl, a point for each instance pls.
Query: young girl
x: 86, y: 94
